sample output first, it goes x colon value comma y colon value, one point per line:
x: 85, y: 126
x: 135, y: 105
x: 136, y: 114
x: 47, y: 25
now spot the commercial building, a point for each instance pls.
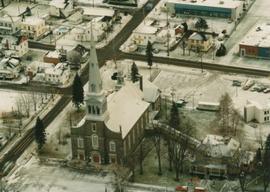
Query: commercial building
x: 256, y: 43
x: 256, y: 111
x: 231, y: 9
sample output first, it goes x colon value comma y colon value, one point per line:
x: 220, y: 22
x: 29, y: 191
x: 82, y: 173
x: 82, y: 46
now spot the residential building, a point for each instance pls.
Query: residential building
x: 199, y: 42
x: 256, y: 43
x: 52, y: 57
x: 91, y: 12
x: 113, y: 126
x: 36, y: 67
x: 144, y: 33
x: 257, y: 111
x: 33, y: 27
x: 9, y: 68
x: 58, y: 74
x: 231, y: 9
x: 15, y: 46
x: 61, y: 8
x: 9, y: 25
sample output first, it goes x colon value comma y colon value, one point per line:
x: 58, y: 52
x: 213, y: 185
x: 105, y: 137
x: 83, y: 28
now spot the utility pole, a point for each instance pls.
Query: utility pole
x: 168, y: 39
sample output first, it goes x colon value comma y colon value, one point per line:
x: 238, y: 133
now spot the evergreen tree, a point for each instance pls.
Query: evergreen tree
x: 258, y: 157
x: 40, y: 134
x: 185, y: 25
x: 149, y: 54
x: 28, y: 11
x: 201, y: 24
x: 266, y: 164
x: 77, y: 92
x: 2, y: 3
x: 174, y: 117
x: 134, y: 72
x: 221, y: 51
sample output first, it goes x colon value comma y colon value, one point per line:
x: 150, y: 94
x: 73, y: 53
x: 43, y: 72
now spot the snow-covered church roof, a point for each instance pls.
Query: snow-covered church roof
x: 125, y: 107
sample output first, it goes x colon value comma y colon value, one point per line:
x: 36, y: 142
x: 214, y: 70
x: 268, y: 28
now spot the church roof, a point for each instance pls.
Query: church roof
x: 125, y: 108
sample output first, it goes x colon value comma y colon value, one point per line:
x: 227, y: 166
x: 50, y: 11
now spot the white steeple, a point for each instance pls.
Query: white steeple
x: 96, y: 101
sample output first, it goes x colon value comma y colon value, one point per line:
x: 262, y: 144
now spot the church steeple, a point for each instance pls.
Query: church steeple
x: 95, y: 100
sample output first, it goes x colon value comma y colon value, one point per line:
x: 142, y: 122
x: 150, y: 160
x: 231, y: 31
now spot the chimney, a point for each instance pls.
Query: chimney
x: 141, y: 82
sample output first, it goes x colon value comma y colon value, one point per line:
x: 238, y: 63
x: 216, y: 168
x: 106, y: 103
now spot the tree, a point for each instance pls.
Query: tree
x: 149, y: 54
x: 77, y: 92
x: 74, y: 59
x: 224, y: 114
x: 173, y: 123
x: 221, y: 51
x: 157, y: 143
x: 266, y: 164
x: 134, y: 72
x: 40, y: 134
x: 28, y: 11
x: 201, y: 24
x: 185, y: 25
x: 3, y: 3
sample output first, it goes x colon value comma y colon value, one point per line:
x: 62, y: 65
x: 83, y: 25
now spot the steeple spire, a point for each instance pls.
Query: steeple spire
x: 95, y: 99
x: 95, y: 83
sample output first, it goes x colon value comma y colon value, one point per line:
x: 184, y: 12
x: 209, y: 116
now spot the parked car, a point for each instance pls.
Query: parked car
x: 267, y: 90
x: 181, y: 103
x: 249, y: 83
x: 236, y: 83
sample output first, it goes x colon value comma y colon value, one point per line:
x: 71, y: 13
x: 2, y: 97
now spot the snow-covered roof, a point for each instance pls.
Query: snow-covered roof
x: 260, y: 104
x: 146, y: 29
x: 150, y: 91
x: 199, y: 36
x: 61, y: 4
x: 258, y: 36
x: 218, y: 146
x: 33, y: 21
x: 125, y: 108
x: 97, y: 11
x: 53, y: 54
x: 231, y: 4
x: 6, y: 18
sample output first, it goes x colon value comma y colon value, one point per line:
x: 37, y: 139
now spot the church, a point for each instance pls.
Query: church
x: 114, y: 125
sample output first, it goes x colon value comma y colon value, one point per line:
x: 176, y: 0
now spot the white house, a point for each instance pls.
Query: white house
x: 9, y: 25
x: 83, y: 33
x: 15, y: 46
x: 9, y: 68
x: 257, y: 111
x: 61, y: 8
x: 218, y: 146
x: 37, y: 67
x: 57, y: 75
x: 33, y: 27
x: 144, y: 33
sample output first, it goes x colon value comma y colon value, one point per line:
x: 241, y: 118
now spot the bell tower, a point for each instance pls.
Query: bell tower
x: 96, y: 101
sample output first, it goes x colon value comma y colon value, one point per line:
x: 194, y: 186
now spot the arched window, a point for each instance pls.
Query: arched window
x: 95, y: 141
x: 93, y: 109
x: 98, y: 110
x: 112, y: 146
x: 89, y: 109
x: 93, y: 87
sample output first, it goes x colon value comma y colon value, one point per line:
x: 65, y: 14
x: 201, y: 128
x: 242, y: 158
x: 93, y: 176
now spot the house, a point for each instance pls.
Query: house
x: 76, y: 18
x: 61, y: 8
x: 58, y: 74
x: 256, y: 43
x: 15, y: 46
x: 83, y: 33
x: 113, y: 126
x: 144, y: 33
x: 52, y: 57
x: 199, y: 41
x: 9, y: 25
x: 257, y: 111
x: 33, y: 27
x: 36, y: 67
x: 9, y: 68
x: 230, y: 9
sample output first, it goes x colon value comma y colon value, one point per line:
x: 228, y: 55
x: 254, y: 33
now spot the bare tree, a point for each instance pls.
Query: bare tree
x: 157, y: 143
x: 181, y: 140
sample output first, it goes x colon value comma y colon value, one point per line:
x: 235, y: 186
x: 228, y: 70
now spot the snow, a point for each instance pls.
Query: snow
x: 97, y: 11
x: 8, y: 100
x: 125, y: 107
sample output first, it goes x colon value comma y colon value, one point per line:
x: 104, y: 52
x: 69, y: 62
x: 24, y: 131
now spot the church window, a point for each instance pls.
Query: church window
x: 112, y: 146
x: 98, y: 111
x: 80, y: 143
x: 94, y: 127
x: 89, y: 108
x: 95, y: 141
x: 93, y: 87
x: 93, y: 109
